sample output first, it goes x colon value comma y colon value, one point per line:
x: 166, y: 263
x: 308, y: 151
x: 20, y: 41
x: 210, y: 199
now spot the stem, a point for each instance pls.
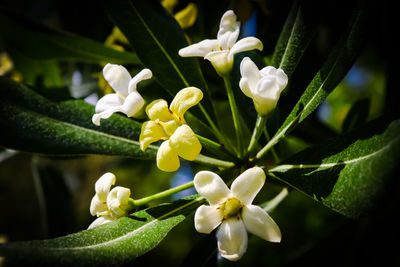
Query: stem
x: 213, y: 162
x: 235, y: 114
x: 166, y: 193
x: 274, y: 154
x: 214, y: 147
x: 258, y: 129
x: 273, y: 203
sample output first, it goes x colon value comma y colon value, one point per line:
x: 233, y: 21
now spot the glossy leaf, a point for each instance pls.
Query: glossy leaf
x: 328, y: 77
x: 43, y: 43
x: 157, y: 38
x: 30, y: 122
x: 113, y: 243
x: 348, y: 173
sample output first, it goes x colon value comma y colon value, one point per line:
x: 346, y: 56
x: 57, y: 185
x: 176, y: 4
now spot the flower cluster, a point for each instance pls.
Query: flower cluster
x: 230, y: 209
x: 109, y: 205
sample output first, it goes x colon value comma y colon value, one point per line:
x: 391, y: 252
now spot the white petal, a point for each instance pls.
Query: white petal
x: 259, y: 223
x: 229, y: 29
x: 281, y: 78
x: 99, y: 221
x: 277, y: 75
x: 97, y: 205
x: 244, y: 86
x: 267, y: 71
x: 211, y: 186
x: 232, y: 239
x: 247, y: 185
x: 105, y: 114
x: 207, y: 218
x: 250, y: 71
x: 266, y: 95
x: 142, y: 75
x: 104, y: 184
x: 118, y: 77
x: 108, y: 101
x: 132, y: 104
x: 200, y: 49
x: 246, y: 44
x: 117, y: 200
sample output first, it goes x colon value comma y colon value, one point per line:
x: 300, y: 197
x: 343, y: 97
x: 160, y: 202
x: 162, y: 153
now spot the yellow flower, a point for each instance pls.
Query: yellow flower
x: 169, y: 124
x: 186, y: 17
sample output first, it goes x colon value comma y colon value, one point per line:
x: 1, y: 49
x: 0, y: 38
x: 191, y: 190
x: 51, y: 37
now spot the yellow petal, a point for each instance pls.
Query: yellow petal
x: 187, y: 16
x: 167, y: 158
x: 169, y: 5
x: 151, y: 132
x: 185, y: 99
x: 158, y: 109
x: 185, y: 143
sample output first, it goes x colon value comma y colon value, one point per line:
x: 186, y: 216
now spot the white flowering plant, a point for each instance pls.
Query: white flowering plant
x: 231, y: 103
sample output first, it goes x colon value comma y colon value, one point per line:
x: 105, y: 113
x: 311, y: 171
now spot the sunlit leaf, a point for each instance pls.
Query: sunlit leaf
x: 349, y: 173
x: 30, y: 122
x: 328, y: 77
x: 114, y: 243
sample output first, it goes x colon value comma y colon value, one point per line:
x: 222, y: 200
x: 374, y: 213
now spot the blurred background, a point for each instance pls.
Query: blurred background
x: 45, y: 197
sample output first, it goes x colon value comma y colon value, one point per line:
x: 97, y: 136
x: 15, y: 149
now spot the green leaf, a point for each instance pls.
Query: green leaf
x: 42, y: 43
x: 157, y: 38
x: 113, y: 243
x: 294, y: 39
x: 328, y: 77
x: 30, y: 122
x: 357, y: 115
x: 349, y: 173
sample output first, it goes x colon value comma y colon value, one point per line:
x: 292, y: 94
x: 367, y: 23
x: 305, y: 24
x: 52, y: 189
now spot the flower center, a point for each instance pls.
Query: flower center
x: 231, y: 208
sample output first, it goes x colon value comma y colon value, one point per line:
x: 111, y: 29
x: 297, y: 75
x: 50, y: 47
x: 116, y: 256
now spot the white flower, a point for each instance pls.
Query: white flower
x: 234, y: 211
x: 108, y: 205
x: 263, y: 86
x: 126, y: 99
x: 220, y: 51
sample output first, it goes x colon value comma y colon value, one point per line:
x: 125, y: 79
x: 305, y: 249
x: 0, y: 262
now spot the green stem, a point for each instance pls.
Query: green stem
x: 166, y: 193
x: 209, y: 161
x: 274, y: 154
x: 235, y: 115
x: 214, y: 147
x: 273, y: 203
x: 258, y: 129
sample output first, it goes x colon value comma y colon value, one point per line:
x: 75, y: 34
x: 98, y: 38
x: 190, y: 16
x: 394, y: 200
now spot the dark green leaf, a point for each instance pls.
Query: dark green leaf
x: 30, y: 122
x: 42, y: 43
x: 293, y: 40
x: 357, y: 115
x: 157, y: 38
x: 332, y: 72
x: 110, y: 244
x: 348, y: 173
